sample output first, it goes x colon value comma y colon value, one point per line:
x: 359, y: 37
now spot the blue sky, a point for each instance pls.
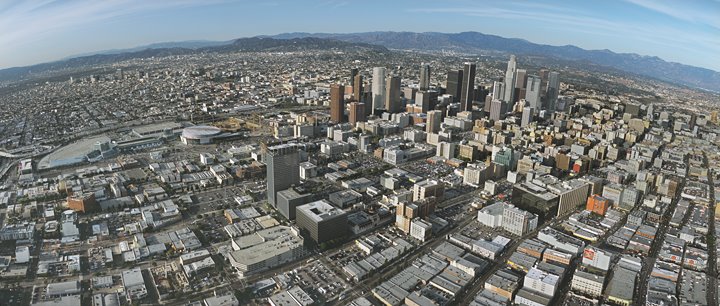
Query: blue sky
x: 34, y: 31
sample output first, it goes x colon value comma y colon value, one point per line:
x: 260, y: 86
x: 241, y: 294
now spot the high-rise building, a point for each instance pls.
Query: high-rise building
x: 424, y: 76
x: 337, y: 103
x: 454, y: 84
x: 353, y: 74
x: 422, y: 99
x: 497, y: 92
x: 552, y: 91
x: 509, y: 95
x: 283, y: 169
x: 517, y: 221
x: 468, y: 87
x: 378, y: 89
x: 358, y: 88
x: 434, y: 118
x: 520, y: 78
x: 392, y: 95
x: 322, y: 221
x: 428, y: 188
x: 527, y: 116
x: 533, y: 90
x: 498, y: 108
x: 357, y: 112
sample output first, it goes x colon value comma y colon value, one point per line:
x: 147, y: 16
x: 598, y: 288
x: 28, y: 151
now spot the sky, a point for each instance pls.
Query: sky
x: 36, y: 31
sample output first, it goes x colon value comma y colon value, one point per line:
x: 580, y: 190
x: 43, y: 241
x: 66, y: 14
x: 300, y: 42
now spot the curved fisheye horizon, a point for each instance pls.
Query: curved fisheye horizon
x: 300, y: 153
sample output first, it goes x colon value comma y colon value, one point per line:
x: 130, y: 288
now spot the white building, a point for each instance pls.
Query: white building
x: 541, y: 282
x: 134, y: 284
x: 588, y: 283
x: 420, y: 229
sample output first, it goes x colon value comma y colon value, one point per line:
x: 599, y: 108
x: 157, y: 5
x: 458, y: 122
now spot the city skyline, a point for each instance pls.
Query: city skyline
x: 51, y: 30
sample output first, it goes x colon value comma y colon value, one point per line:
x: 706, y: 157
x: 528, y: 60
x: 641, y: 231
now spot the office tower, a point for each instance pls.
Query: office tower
x: 532, y: 92
x: 544, y: 74
x: 468, y: 87
x: 337, y: 103
x: 509, y: 95
x: 434, y: 118
x: 520, y: 78
x: 454, y: 84
x: 322, y: 221
x: 498, y: 108
x: 283, y: 169
x: 527, y: 116
x: 497, y: 90
x: 378, y: 88
x: 552, y: 91
x: 358, y: 88
x: 517, y: 221
x: 520, y: 81
x: 422, y: 99
x: 428, y: 188
x: 424, y: 76
x: 353, y: 74
x: 392, y: 95
x: 357, y: 112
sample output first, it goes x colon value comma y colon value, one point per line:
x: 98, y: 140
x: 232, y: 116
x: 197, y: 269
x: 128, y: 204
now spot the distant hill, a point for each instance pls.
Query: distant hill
x: 189, y: 44
x: 649, y: 66
x: 252, y: 44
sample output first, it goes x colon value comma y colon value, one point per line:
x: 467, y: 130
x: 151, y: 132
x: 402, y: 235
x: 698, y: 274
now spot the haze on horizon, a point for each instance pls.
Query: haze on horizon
x: 33, y: 32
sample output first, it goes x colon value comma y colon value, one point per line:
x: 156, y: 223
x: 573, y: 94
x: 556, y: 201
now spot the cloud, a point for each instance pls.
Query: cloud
x: 22, y: 22
x: 693, y: 11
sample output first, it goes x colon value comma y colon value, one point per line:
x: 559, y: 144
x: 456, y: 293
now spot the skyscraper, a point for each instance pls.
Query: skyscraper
x: 283, y: 169
x: 378, y: 88
x: 520, y: 81
x: 424, y: 76
x: 392, y: 95
x: 422, y: 99
x: 509, y: 95
x: 434, y: 118
x: 353, y: 73
x: 552, y: 91
x: 357, y: 112
x: 497, y: 92
x: 468, y: 87
x: 527, y: 116
x: 358, y: 88
x: 454, y: 84
x: 532, y: 92
x: 337, y: 103
x: 498, y: 108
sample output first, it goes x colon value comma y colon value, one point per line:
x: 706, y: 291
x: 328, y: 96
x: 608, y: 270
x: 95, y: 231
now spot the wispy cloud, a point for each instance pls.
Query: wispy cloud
x: 694, y: 11
x: 22, y: 22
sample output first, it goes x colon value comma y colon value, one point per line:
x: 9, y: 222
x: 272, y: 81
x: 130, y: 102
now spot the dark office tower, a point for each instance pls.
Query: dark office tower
x: 454, y: 84
x: 498, y: 108
x: 509, y: 95
x: 552, y: 91
x: 357, y: 112
x: 532, y: 92
x: 283, y: 169
x: 424, y: 76
x: 468, y: 87
x: 358, y: 88
x: 544, y: 74
x: 353, y: 73
x: 521, y: 78
x: 392, y: 95
x: 520, y: 81
x: 337, y: 103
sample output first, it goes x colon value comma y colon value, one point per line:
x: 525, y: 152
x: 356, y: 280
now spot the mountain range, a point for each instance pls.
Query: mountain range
x: 466, y: 42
